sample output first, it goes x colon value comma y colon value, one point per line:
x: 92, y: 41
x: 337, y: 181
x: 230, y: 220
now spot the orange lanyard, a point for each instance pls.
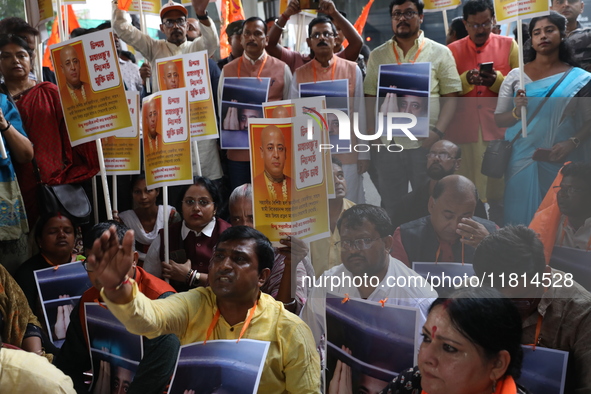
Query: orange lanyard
x: 439, y: 252
x: 260, y: 69
x: 334, y: 66
x: 538, y: 330
x: 564, y: 224
x: 216, y: 317
x: 416, y: 55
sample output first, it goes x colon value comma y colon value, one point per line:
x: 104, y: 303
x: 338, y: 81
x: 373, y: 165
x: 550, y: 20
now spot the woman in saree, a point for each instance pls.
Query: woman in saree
x: 43, y: 120
x: 561, y: 126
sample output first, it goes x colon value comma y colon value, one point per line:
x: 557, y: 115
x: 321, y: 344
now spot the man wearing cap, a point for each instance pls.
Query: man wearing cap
x: 174, y: 27
x: 233, y: 31
x: 254, y: 62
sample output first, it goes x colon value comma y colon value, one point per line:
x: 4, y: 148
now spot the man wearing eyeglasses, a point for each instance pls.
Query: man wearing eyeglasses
x: 364, y: 246
x: 174, y: 26
x: 326, y: 66
x: 450, y: 232
x: 473, y: 125
x: 567, y: 221
x: 444, y: 158
x: 157, y: 365
x: 394, y: 170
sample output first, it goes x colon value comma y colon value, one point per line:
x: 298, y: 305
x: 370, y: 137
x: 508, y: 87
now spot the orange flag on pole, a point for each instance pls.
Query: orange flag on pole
x: 231, y: 11
x: 54, y: 38
x: 125, y: 4
x: 361, y: 21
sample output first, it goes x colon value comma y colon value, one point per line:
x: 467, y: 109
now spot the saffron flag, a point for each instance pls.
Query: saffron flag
x: 231, y: 11
x: 361, y: 21
x: 124, y: 4
x: 54, y: 38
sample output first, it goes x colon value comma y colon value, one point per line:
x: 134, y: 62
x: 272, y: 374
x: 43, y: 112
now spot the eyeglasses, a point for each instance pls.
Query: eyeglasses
x: 569, y: 190
x: 325, y: 34
x: 86, y: 266
x: 442, y: 155
x: 359, y: 244
x: 202, y: 202
x: 171, y: 22
x: 407, y: 14
x: 475, y: 26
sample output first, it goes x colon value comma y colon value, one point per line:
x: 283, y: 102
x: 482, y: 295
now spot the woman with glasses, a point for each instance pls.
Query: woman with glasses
x: 146, y: 218
x: 191, y: 241
x: 561, y: 127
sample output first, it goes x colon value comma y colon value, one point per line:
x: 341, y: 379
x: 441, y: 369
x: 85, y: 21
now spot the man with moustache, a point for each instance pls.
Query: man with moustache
x: 450, y: 232
x: 254, y: 63
x: 174, y: 26
x: 365, y: 245
x: 444, y: 158
x: 231, y: 307
x: 473, y: 125
x: 326, y: 66
x: 409, y: 45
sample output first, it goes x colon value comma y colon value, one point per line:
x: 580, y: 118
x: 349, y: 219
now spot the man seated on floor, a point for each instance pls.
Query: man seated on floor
x: 557, y: 316
x: 444, y: 158
x: 450, y: 232
x: 364, y: 247
x: 566, y: 221
x: 160, y: 353
x: 239, y: 267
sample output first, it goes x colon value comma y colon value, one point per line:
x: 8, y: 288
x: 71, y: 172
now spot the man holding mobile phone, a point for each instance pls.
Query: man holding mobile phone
x: 473, y: 125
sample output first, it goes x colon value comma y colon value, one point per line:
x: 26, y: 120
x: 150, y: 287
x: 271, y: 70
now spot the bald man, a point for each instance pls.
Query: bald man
x: 450, y: 233
x: 78, y: 90
x: 171, y: 76
x: 273, y: 183
x: 153, y: 139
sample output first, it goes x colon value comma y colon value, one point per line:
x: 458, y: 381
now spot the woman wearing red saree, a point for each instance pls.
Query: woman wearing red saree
x: 43, y: 119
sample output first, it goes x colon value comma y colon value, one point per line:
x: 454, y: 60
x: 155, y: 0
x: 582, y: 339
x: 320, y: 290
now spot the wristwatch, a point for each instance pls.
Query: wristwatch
x: 438, y: 132
x: 575, y: 141
x: 203, y: 17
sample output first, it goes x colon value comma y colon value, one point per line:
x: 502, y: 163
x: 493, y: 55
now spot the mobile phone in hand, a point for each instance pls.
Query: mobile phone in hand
x: 486, y: 67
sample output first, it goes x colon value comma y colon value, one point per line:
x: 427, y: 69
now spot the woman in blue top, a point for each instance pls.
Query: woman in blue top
x: 561, y: 125
x: 13, y: 219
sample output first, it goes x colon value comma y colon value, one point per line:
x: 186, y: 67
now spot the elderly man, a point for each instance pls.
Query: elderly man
x: 77, y: 90
x: 174, y: 26
x: 326, y: 66
x: 364, y: 247
x: 157, y: 365
x: 280, y: 283
x: 273, y: 184
x: 409, y: 45
x: 450, y: 233
x: 254, y: 62
x: 444, y: 158
x: 193, y: 29
x: 473, y: 125
x: 324, y: 252
x: 233, y: 306
x: 556, y: 312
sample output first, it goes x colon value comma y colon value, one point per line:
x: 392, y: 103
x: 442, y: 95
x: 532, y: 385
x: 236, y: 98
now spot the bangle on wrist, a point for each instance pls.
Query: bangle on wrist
x: 515, y: 114
x: 6, y: 128
x: 203, y: 17
x: 277, y: 24
x: 289, y: 303
x: 188, y: 277
x: 120, y: 285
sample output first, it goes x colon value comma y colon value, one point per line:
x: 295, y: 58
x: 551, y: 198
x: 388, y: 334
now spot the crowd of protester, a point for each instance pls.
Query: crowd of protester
x: 225, y: 280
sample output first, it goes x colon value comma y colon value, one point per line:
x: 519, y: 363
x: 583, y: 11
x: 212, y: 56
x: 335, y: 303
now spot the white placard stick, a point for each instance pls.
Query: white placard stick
x: 99, y: 149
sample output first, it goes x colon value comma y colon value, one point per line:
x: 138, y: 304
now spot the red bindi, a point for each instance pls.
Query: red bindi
x: 433, y: 330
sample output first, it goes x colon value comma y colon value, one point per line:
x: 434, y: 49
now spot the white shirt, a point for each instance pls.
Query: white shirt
x: 152, y: 263
x: 131, y: 75
x: 417, y: 297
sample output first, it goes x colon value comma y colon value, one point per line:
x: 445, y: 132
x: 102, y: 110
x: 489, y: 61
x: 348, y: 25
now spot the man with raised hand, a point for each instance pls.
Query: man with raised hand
x: 230, y: 308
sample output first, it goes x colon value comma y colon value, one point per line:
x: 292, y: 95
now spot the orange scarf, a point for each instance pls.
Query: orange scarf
x: 504, y: 386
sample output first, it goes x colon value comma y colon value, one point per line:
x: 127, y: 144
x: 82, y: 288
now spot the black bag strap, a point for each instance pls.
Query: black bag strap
x: 539, y: 107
